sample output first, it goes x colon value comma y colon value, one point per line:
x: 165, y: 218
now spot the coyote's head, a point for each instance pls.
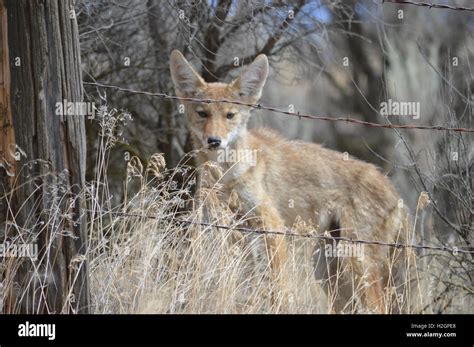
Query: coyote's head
x: 217, y: 125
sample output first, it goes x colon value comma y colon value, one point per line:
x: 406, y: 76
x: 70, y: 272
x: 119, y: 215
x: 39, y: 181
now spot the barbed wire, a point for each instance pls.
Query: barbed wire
x: 277, y: 110
x: 453, y: 250
x: 429, y: 4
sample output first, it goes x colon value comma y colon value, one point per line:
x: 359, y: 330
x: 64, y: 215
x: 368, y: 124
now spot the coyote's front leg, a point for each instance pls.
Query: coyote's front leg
x: 269, y: 219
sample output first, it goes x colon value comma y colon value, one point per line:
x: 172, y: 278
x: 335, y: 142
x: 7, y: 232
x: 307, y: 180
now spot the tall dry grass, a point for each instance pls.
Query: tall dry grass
x: 163, y: 264
x: 150, y: 254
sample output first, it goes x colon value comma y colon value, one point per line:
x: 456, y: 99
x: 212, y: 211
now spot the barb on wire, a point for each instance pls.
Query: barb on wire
x: 429, y: 4
x: 276, y: 110
x: 453, y: 250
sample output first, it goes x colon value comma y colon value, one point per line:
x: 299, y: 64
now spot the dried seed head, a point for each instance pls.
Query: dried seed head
x: 134, y: 168
x: 156, y: 165
x: 423, y: 200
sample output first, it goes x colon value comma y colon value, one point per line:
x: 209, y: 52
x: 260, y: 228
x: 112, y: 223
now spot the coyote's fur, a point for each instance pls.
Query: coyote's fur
x: 329, y: 190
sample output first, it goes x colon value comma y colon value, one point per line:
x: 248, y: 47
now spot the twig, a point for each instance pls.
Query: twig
x: 429, y: 4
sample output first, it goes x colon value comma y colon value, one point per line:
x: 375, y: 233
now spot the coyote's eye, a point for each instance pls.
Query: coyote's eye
x: 202, y: 114
x: 230, y: 115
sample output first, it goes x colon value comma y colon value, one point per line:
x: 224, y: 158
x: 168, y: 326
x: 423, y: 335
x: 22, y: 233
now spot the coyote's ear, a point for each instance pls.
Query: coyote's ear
x: 251, y: 81
x: 185, y: 79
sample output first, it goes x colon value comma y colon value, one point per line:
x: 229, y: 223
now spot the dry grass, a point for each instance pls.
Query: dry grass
x: 160, y: 264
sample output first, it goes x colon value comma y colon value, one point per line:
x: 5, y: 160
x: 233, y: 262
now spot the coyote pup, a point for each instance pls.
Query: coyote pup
x: 344, y: 196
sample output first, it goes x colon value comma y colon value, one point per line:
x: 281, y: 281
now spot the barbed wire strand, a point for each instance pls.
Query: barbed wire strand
x: 453, y: 250
x: 276, y: 110
x: 428, y: 4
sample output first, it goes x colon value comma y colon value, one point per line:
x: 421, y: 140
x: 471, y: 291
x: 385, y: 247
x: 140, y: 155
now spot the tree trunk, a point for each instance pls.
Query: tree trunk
x: 44, y: 183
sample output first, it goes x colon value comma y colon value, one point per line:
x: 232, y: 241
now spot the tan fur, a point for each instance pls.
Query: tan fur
x: 325, y: 188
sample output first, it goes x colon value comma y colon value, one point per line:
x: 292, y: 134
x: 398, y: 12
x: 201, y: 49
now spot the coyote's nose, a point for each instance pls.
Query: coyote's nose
x: 214, y: 142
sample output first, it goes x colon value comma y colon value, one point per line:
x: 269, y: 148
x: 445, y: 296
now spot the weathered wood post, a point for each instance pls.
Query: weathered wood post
x: 42, y: 153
